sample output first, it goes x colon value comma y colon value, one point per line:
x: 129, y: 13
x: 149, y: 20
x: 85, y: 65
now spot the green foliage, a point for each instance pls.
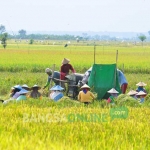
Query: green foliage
x: 31, y: 41
x: 4, y: 37
x: 22, y: 33
x: 125, y: 100
x: 2, y: 29
x: 142, y: 38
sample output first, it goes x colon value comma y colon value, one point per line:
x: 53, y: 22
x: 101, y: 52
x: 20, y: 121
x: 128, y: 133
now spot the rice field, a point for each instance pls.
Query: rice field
x: 44, y: 124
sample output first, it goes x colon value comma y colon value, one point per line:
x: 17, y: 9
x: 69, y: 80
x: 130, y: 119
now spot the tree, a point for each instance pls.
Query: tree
x: 2, y: 29
x: 149, y: 32
x: 4, y: 37
x: 142, y: 38
x: 22, y: 33
x: 31, y: 41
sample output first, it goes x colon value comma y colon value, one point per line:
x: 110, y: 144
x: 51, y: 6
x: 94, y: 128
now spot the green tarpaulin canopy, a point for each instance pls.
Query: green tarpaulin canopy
x: 103, y: 77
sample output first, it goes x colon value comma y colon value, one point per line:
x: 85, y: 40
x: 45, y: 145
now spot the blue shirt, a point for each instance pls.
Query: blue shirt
x: 122, y: 78
x: 55, y: 75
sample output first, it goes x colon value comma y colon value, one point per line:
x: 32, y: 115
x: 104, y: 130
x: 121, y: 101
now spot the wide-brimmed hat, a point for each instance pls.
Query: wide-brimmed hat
x: 141, y: 93
x: 52, y: 88
x: 48, y: 70
x: 12, y: 88
x: 36, y: 86
x: 132, y: 92
x: 85, y: 86
x: 141, y: 84
x: 25, y: 87
x: 57, y: 88
x: 23, y: 91
x: 65, y: 61
x: 18, y: 87
x: 113, y: 91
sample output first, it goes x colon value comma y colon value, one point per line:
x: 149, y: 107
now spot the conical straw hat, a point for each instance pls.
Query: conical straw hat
x: 58, y: 88
x: 23, y: 91
x: 132, y: 92
x: 65, y: 61
x: 141, y: 93
x: 113, y: 91
x: 141, y: 84
x: 52, y: 88
x: 36, y: 86
x: 26, y: 87
x: 85, y: 86
x: 18, y: 87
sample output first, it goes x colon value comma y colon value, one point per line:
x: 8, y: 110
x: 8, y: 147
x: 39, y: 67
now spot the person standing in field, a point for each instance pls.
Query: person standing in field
x: 86, y: 96
x: 56, y: 75
x: 122, y: 81
x: 64, y: 70
x: 65, y: 67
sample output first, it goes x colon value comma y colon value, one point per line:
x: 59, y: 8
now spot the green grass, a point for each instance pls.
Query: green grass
x: 35, y: 58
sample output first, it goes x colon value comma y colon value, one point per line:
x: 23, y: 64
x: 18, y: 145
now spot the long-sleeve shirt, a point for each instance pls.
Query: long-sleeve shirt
x: 122, y: 78
x: 64, y: 70
x: 56, y: 75
x: 88, y: 97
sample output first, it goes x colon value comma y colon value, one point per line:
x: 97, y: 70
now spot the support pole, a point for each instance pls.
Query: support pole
x: 94, y: 52
x: 116, y: 69
x: 52, y: 75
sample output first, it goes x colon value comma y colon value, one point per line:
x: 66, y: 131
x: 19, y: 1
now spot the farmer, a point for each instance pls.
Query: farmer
x: 86, y: 76
x: 22, y: 96
x: 114, y: 94
x: 141, y: 95
x: 85, y: 96
x: 56, y: 93
x: 132, y: 93
x: 56, y: 75
x: 35, y: 93
x: 64, y: 70
x: 122, y: 81
x: 16, y: 94
x: 25, y: 87
x: 141, y: 87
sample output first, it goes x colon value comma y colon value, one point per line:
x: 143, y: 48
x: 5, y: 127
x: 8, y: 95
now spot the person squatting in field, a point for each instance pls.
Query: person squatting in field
x: 141, y: 95
x: 113, y: 95
x: 86, y: 96
x: 16, y: 91
x: 141, y: 87
x: 35, y: 93
x: 56, y: 93
x: 56, y: 75
x: 132, y: 93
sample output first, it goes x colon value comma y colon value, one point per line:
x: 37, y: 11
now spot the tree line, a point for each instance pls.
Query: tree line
x: 22, y: 34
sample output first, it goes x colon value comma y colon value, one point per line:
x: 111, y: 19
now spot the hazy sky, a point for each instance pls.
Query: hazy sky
x: 76, y: 15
